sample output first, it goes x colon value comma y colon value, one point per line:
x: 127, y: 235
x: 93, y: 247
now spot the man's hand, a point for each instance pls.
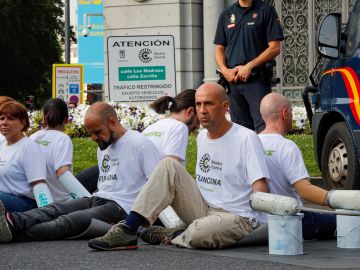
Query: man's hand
x: 229, y: 74
x: 243, y: 72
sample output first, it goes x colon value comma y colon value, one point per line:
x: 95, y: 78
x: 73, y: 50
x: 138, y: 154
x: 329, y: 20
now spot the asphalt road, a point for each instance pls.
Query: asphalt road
x: 74, y: 254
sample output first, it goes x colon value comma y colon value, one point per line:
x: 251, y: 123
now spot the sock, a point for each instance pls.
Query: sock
x: 133, y: 222
x: 177, y: 233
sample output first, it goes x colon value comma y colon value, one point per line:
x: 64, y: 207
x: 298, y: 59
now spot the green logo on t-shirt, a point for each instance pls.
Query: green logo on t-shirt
x: 269, y: 153
x: 154, y: 134
x: 44, y: 143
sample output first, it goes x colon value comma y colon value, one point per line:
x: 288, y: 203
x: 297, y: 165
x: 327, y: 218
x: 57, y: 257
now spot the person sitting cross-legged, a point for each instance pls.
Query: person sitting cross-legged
x: 288, y: 173
x: 215, y: 207
x: 126, y: 159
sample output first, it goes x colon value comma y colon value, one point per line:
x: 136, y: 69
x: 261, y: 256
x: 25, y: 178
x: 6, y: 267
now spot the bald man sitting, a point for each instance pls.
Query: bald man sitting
x: 288, y: 173
x: 126, y: 159
x: 215, y: 207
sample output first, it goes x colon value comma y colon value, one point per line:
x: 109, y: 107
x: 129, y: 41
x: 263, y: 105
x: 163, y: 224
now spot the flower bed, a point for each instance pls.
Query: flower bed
x: 135, y: 117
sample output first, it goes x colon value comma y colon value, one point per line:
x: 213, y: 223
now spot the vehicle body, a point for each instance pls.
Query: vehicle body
x: 335, y: 120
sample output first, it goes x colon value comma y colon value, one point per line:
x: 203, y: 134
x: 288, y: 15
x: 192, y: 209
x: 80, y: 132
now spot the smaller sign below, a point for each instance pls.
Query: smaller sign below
x: 142, y: 73
x: 67, y: 82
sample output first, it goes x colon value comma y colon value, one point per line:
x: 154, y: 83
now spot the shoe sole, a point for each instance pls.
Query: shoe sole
x: 93, y: 246
x: 5, y: 235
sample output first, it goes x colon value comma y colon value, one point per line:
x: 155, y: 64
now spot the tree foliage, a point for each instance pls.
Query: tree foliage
x: 31, y: 36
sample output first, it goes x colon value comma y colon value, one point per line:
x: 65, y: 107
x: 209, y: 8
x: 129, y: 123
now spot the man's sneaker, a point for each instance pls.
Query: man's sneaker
x: 5, y: 232
x: 115, y: 238
x: 157, y: 235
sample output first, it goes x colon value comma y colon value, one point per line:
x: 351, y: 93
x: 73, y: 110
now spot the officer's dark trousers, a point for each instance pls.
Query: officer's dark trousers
x: 244, y: 99
x: 61, y: 220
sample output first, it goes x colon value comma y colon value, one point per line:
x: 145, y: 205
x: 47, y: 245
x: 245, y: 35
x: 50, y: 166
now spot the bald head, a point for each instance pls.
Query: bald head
x: 214, y: 89
x: 272, y: 105
x: 101, y: 110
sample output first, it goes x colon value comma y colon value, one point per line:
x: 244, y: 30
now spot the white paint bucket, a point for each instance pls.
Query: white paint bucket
x: 285, y: 235
x: 348, y: 230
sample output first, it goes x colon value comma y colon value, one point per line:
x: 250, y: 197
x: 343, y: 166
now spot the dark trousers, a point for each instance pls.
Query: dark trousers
x: 318, y: 226
x: 89, y: 178
x: 66, y: 219
x: 244, y: 100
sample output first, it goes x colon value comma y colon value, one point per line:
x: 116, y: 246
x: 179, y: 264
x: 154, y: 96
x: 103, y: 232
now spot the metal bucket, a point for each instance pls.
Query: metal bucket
x: 348, y: 230
x: 285, y: 235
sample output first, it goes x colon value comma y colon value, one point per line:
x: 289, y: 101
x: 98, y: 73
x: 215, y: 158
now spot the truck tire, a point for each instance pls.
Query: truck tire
x: 339, y: 162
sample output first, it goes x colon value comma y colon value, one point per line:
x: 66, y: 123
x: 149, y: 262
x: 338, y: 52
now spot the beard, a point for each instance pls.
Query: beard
x: 105, y: 144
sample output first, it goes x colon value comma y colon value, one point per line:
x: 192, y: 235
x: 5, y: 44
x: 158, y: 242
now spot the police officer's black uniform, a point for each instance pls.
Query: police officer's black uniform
x: 245, y: 33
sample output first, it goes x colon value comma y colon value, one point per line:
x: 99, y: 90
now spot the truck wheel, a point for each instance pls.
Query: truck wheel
x: 339, y: 163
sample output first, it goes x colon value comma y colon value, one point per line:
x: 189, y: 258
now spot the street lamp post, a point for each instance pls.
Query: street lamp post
x: 67, y: 32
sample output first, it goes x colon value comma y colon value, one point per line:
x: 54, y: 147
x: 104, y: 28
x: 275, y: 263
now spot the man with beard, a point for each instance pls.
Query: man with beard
x: 126, y: 159
x: 215, y: 208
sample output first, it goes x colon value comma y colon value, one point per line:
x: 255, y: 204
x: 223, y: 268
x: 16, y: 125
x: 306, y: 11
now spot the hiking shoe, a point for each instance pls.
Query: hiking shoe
x: 156, y: 235
x: 115, y: 238
x: 5, y: 232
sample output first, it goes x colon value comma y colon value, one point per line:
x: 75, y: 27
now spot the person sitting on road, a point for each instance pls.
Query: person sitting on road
x: 288, y: 173
x: 126, y: 159
x: 170, y: 135
x: 4, y: 99
x: 58, y: 150
x: 215, y: 207
x: 22, y: 164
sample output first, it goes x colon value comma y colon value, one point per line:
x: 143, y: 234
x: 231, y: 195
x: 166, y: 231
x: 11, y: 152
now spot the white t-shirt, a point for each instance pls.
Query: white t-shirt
x: 227, y: 167
x: 170, y: 137
x: 2, y: 138
x: 285, y: 163
x: 58, y: 150
x: 125, y: 167
x: 20, y: 164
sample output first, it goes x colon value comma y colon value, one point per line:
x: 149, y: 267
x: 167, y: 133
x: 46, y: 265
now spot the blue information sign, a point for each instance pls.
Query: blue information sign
x: 91, y: 47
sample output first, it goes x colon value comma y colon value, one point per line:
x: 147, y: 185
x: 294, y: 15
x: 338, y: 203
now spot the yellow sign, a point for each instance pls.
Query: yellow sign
x: 67, y: 82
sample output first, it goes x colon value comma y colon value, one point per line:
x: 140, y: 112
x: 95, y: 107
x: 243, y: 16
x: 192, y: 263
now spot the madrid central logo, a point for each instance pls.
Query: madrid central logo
x: 105, y: 167
x: 145, y: 55
x: 205, y: 163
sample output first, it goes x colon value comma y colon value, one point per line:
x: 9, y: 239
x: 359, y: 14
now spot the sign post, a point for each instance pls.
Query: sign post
x: 67, y: 83
x: 141, y: 68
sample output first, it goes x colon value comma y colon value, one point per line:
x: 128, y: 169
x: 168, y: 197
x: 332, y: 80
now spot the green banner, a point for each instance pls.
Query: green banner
x: 145, y: 73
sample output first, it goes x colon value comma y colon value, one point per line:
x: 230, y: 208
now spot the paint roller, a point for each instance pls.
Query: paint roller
x: 287, y: 206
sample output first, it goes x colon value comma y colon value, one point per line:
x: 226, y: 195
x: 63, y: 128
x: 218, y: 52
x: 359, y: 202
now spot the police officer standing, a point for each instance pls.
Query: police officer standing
x: 247, y: 40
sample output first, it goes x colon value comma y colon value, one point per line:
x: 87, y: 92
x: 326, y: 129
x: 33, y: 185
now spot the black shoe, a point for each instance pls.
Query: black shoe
x: 156, y: 235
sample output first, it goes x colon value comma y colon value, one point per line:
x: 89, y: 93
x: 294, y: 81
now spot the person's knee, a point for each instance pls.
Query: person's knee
x: 205, y: 234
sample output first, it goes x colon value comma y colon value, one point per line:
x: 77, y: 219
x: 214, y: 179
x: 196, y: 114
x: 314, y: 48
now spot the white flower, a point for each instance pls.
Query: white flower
x: 139, y: 117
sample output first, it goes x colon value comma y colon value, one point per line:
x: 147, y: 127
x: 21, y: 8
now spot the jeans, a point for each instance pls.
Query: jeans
x: 61, y: 220
x: 318, y: 226
x: 14, y: 203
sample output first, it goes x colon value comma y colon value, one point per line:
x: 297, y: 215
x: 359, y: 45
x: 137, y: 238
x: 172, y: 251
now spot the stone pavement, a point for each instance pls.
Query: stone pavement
x: 74, y: 254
